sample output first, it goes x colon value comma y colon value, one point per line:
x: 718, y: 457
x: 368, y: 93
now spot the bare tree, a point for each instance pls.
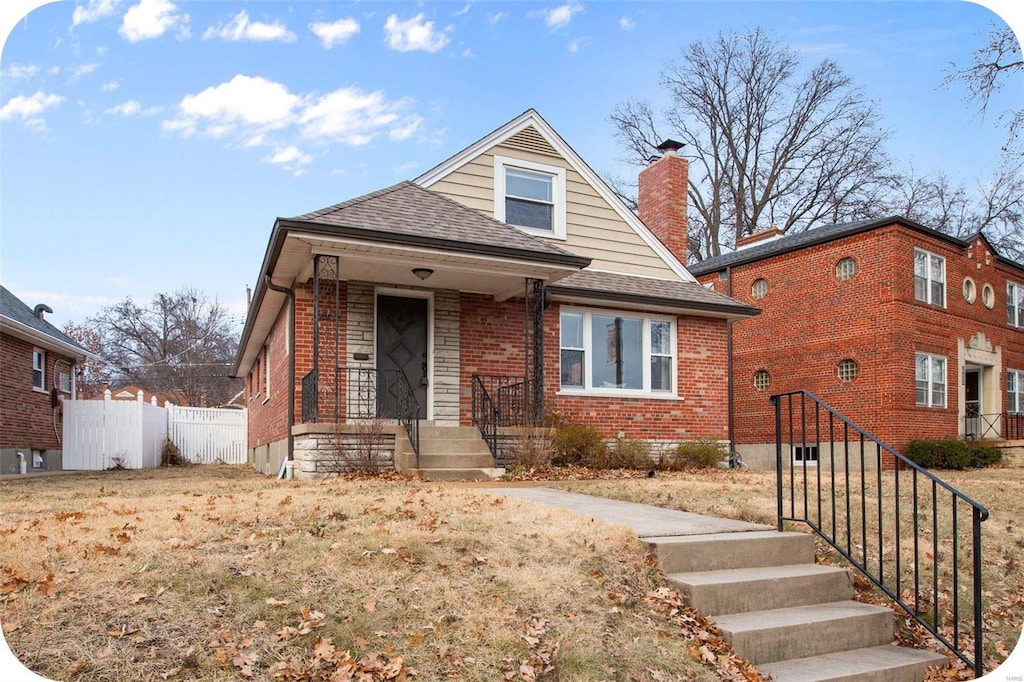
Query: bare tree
x: 92, y: 374
x: 992, y: 67
x: 181, y: 343
x: 770, y: 144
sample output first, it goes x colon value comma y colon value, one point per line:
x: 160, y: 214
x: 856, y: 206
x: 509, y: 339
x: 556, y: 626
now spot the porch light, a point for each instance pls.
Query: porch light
x: 422, y: 273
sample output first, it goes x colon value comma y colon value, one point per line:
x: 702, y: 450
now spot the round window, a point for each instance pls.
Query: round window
x: 970, y: 290
x: 762, y: 379
x: 759, y: 289
x: 847, y: 369
x: 988, y: 296
x: 846, y: 268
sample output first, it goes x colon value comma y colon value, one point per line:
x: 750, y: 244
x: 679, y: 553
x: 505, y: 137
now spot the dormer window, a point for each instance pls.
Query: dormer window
x: 530, y: 196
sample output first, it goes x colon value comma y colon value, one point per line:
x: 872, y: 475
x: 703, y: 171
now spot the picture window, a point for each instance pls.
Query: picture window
x: 762, y: 379
x: 759, y: 289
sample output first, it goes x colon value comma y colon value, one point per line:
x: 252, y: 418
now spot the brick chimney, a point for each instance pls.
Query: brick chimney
x: 663, y: 197
x: 771, y: 234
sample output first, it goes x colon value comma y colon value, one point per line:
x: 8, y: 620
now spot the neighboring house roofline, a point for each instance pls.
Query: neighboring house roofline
x: 17, y: 319
x: 828, y: 233
x: 531, y: 117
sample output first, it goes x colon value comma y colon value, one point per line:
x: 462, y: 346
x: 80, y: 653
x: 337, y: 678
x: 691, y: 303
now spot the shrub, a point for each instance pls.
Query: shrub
x: 577, y: 444
x: 706, y: 453
x: 950, y: 453
x: 531, y: 449
x: 171, y: 456
x: 625, y: 453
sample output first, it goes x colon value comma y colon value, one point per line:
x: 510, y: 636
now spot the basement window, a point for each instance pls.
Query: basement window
x: 805, y: 454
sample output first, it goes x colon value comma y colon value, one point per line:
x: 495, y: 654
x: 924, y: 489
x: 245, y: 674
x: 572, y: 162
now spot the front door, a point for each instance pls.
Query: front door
x: 401, y: 353
x: 972, y: 402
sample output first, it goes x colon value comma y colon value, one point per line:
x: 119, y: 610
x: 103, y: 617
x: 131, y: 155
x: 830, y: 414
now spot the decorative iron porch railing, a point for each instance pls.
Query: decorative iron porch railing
x: 914, y: 536
x: 369, y: 393
x: 1013, y: 425
x: 500, y: 401
x: 1003, y: 425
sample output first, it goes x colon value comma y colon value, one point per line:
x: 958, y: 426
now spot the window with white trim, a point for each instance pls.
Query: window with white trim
x: 607, y: 351
x: 65, y: 382
x: 930, y: 375
x: 929, y: 277
x: 530, y: 196
x: 38, y: 369
x: 1015, y: 390
x: 1015, y: 304
x: 805, y: 454
x: 266, y: 372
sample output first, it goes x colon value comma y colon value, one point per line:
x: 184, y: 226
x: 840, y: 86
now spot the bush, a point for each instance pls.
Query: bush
x: 950, y: 453
x: 577, y: 444
x: 706, y: 453
x: 626, y: 453
x: 171, y: 455
x: 531, y: 449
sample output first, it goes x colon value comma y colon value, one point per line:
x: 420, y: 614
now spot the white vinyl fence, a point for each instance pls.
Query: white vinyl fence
x: 131, y: 434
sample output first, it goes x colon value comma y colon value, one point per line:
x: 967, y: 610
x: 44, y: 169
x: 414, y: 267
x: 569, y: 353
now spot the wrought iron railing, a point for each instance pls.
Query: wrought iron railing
x: 1004, y: 425
x: 369, y: 394
x: 1013, y: 425
x: 914, y: 536
x: 500, y: 401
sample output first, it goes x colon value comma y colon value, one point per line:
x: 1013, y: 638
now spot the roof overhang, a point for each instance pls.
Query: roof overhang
x: 658, y: 304
x: 44, y: 341
x: 388, y: 259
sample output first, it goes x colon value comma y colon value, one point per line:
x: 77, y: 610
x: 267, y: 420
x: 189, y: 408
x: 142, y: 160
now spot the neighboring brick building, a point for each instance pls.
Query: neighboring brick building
x: 908, y: 332
x: 506, y: 279
x: 37, y: 372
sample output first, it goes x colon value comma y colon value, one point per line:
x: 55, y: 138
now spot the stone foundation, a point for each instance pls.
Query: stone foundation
x: 328, y: 449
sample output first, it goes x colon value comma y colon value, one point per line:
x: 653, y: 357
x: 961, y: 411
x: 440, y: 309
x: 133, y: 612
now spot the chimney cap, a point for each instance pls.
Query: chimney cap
x: 669, y: 146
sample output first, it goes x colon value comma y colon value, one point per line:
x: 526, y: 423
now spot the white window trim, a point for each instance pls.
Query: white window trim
x: 1018, y: 377
x: 810, y: 450
x: 588, y: 390
x: 266, y: 371
x: 557, y: 194
x: 1018, y: 323
x: 945, y: 386
x: 42, y: 354
x: 930, y: 278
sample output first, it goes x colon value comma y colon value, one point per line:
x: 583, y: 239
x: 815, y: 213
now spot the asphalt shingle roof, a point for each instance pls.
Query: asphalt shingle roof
x: 675, y: 294
x: 14, y: 309
x: 410, y: 210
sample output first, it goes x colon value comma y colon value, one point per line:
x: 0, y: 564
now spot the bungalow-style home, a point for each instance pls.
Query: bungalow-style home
x: 506, y: 281
x: 908, y: 332
x: 37, y: 372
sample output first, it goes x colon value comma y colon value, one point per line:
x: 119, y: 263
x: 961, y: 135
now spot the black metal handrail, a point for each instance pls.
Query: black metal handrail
x: 1013, y: 425
x: 500, y: 401
x: 829, y: 445
x: 310, y: 397
x: 383, y: 394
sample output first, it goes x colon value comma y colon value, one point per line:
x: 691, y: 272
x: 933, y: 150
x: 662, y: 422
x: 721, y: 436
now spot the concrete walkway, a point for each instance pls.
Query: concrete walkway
x: 645, y: 520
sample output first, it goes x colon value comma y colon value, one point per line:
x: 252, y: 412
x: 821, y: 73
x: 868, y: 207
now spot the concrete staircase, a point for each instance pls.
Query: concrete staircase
x: 453, y: 453
x: 793, y: 619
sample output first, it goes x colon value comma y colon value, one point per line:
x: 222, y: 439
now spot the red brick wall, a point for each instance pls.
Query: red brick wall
x: 492, y: 337
x: 811, y: 321
x: 26, y: 418
x: 268, y: 415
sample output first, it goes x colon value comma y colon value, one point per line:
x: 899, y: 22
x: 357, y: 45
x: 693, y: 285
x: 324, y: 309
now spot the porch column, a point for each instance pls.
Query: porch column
x: 534, y: 345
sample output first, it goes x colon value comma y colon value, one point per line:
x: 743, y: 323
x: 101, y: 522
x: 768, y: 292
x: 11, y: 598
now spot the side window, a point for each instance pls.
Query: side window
x: 530, y: 196
x: 929, y: 277
x: 39, y: 369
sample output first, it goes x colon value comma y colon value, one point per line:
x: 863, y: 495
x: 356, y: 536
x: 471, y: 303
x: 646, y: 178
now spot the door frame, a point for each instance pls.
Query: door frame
x: 979, y: 372
x: 411, y: 293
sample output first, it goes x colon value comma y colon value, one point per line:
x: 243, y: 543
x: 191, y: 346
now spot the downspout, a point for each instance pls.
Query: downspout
x: 290, y: 455
x: 728, y: 352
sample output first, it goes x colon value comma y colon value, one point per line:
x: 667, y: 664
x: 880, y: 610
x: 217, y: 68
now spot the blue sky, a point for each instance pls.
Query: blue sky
x: 149, y: 144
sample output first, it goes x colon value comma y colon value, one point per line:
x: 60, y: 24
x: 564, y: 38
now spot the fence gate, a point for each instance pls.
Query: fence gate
x: 205, y: 435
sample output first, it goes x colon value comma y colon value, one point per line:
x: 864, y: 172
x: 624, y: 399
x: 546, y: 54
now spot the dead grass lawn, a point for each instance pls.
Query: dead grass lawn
x: 216, y: 573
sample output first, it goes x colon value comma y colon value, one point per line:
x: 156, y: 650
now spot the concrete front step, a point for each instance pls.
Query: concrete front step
x: 479, y: 474
x: 873, y: 664
x: 717, y: 551
x: 455, y: 461
x: 804, y: 631
x: 449, y: 432
x: 738, y: 590
x: 439, y: 445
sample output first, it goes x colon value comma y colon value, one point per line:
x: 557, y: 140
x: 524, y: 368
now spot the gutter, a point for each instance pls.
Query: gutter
x: 290, y: 455
x: 737, y: 310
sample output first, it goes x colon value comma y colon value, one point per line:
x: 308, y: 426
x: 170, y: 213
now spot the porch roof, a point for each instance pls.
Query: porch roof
x: 590, y: 286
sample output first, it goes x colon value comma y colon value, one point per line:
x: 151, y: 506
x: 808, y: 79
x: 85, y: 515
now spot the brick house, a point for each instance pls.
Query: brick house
x: 506, y: 280
x: 37, y: 372
x: 908, y: 332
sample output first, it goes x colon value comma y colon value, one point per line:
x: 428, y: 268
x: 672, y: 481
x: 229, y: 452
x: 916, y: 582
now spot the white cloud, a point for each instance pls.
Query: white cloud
x: 353, y: 117
x: 413, y: 34
x: 151, y: 19
x: 405, y: 168
x: 495, y: 17
x: 93, y: 11
x: 110, y: 86
x: 459, y: 13
x: 20, y: 71
x: 576, y: 44
x: 626, y: 24
x: 53, y: 70
x: 291, y: 159
x: 28, y: 108
x: 250, y: 101
x: 131, y: 108
x: 241, y: 28
x: 335, y: 32
x: 83, y: 70
x: 559, y: 17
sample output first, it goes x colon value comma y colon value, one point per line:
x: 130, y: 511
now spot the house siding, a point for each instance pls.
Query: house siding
x: 26, y: 417
x: 874, y: 319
